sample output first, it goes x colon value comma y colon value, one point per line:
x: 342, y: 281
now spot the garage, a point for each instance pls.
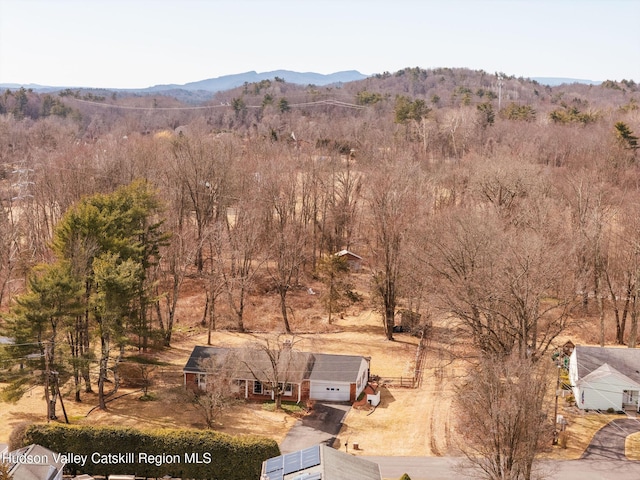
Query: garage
x: 329, y: 391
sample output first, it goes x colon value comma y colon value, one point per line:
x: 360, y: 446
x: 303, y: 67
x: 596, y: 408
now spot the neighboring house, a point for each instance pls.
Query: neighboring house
x: 354, y: 261
x: 605, y: 377
x: 34, y: 463
x: 319, y: 462
x: 302, y: 375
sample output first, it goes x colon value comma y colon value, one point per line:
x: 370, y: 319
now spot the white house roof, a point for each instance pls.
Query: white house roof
x: 607, y: 371
x: 624, y: 361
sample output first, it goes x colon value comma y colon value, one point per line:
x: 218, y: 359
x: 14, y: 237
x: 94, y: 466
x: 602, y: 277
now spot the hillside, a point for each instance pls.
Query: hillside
x: 496, y: 215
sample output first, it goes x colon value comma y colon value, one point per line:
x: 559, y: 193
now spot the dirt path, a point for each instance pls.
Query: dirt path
x: 413, y: 421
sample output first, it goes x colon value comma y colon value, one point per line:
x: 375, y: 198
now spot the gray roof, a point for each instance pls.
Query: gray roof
x: 624, y: 360
x: 247, y: 363
x: 320, y: 462
x: 338, y: 465
x: 337, y: 368
x: 47, y: 469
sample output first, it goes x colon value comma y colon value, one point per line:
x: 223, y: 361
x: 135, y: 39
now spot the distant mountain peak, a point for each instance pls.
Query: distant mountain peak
x: 227, y: 82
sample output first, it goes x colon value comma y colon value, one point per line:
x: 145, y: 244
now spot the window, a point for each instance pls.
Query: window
x: 257, y: 387
x: 286, y: 389
x: 201, y: 380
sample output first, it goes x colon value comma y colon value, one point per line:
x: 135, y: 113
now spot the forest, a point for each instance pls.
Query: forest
x: 508, y: 206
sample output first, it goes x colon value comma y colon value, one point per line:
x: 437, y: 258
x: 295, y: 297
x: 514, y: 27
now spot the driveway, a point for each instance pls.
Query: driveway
x: 446, y: 468
x: 608, y: 442
x: 322, y: 425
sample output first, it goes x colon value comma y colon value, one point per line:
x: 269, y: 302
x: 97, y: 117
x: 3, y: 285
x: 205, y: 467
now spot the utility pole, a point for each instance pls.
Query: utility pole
x: 66, y: 418
x: 555, y: 410
x: 47, y: 376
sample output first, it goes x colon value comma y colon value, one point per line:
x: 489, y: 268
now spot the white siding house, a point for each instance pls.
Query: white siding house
x: 604, y: 378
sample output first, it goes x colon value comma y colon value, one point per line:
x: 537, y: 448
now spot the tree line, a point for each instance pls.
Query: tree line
x: 513, y: 213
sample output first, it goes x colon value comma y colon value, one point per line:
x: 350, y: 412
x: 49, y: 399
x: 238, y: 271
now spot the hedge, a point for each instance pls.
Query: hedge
x: 195, y: 454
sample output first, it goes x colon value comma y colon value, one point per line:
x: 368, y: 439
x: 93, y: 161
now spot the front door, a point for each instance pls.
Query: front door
x: 630, y: 398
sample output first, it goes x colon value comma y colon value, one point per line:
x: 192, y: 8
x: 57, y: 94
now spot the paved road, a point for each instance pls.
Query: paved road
x: 322, y: 425
x: 446, y: 468
x: 608, y: 442
x: 604, y: 459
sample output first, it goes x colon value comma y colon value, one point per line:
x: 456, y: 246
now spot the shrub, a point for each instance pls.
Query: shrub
x: 196, y: 454
x: 563, y: 439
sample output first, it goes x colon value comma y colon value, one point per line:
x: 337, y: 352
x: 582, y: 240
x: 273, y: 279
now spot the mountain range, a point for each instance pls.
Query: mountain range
x: 228, y: 82
x: 225, y: 82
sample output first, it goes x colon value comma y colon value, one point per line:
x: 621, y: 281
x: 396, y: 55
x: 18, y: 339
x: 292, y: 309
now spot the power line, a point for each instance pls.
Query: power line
x: 317, y: 103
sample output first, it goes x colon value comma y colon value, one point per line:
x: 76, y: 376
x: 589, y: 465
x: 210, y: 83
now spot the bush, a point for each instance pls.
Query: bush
x: 183, y: 453
x: 16, y: 439
x: 563, y: 439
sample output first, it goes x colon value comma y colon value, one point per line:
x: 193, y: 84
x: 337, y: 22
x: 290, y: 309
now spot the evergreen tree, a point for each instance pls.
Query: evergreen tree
x: 626, y: 136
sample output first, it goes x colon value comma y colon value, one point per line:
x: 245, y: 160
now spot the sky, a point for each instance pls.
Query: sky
x: 141, y: 43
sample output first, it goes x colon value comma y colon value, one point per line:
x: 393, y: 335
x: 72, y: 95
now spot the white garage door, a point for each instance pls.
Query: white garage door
x: 336, y: 392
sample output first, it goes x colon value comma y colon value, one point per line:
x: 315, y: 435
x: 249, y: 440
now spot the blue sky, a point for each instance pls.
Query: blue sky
x: 139, y: 43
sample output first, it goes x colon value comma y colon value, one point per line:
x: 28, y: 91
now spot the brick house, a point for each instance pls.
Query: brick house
x: 302, y: 375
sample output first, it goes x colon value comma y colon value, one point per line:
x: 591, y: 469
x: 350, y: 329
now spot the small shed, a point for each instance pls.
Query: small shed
x: 354, y: 261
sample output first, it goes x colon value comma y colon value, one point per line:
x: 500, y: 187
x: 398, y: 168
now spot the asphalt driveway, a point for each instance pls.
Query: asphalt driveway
x: 608, y: 442
x: 322, y: 425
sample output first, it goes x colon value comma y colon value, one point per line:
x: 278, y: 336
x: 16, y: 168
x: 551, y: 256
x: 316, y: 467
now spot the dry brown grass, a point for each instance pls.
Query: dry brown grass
x: 358, y: 332
x: 410, y: 421
x: 580, y: 430
x: 417, y: 421
x: 632, y: 446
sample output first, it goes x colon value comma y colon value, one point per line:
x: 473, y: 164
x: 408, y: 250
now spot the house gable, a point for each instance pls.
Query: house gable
x: 624, y: 360
x: 606, y: 373
x: 605, y: 378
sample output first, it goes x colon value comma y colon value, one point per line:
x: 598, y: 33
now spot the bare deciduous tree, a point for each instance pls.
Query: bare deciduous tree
x: 393, y: 193
x: 502, y: 417
x: 213, y: 397
x: 275, y: 363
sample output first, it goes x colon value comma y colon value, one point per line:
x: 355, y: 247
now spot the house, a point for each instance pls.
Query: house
x: 34, y: 463
x: 302, y: 375
x: 354, y: 261
x: 317, y: 463
x: 605, y: 378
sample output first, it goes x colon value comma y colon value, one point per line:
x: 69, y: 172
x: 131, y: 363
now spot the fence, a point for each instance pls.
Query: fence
x: 406, y: 382
x: 415, y: 380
